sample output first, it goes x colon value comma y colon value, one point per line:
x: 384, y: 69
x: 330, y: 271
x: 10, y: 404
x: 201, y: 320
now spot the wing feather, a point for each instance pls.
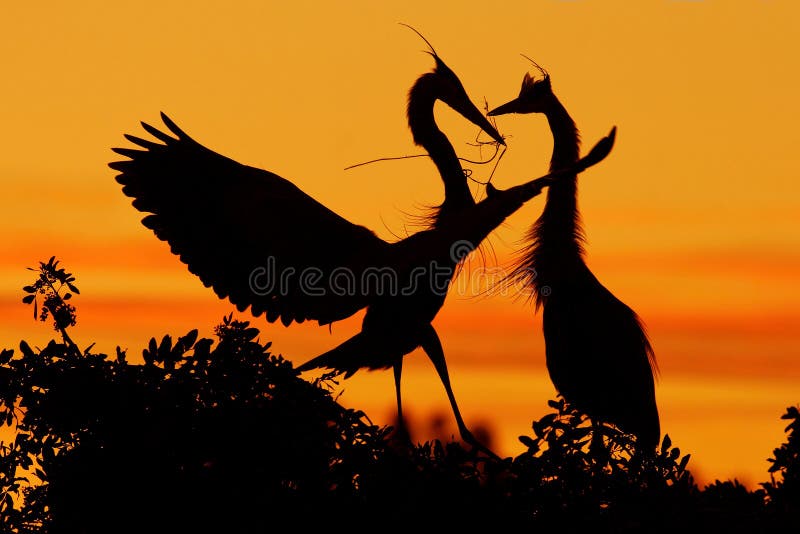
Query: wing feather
x: 230, y: 222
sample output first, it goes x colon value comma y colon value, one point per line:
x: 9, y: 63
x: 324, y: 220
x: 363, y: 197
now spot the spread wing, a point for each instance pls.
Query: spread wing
x: 253, y: 236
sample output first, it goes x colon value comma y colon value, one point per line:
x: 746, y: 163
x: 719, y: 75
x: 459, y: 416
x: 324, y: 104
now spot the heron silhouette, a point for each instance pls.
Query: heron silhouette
x: 598, y: 354
x: 388, y: 322
x: 262, y: 243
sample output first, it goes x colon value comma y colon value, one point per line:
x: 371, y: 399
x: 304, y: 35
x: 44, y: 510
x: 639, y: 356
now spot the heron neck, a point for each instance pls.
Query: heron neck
x: 566, y: 139
x: 427, y: 134
x: 558, y: 233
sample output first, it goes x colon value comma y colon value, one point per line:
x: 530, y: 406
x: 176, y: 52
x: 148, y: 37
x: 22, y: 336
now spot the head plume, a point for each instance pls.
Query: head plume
x: 545, y: 74
x: 413, y: 29
x: 529, y: 82
x: 440, y: 65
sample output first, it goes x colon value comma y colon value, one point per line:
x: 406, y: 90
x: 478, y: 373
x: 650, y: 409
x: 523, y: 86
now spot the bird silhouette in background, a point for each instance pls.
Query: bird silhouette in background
x: 262, y: 243
x: 598, y: 354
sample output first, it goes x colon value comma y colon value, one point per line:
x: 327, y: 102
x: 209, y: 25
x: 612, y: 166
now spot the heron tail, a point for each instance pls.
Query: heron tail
x: 346, y: 358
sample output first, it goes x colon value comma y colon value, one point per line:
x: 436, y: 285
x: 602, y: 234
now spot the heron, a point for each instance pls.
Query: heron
x: 388, y: 322
x: 597, y: 352
x: 262, y: 243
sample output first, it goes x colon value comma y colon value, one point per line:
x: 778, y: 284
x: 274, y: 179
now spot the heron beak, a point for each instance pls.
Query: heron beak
x: 469, y: 111
x: 487, y: 127
x: 476, y: 117
x: 508, y: 107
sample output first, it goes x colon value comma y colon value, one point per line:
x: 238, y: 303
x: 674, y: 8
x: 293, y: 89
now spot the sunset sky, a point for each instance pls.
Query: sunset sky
x: 693, y: 220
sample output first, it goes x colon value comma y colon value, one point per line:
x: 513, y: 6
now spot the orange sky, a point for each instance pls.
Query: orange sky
x: 693, y: 220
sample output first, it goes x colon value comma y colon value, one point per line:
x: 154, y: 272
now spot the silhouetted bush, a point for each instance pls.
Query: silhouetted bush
x: 783, y: 492
x: 202, y: 436
x: 222, y: 436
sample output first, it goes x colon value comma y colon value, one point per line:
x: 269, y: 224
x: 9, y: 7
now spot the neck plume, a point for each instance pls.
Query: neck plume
x: 426, y: 134
x: 555, y: 241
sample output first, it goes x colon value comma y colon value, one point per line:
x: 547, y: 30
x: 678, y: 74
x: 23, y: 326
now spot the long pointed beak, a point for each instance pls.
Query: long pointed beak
x: 508, y: 107
x: 470, y: 112
x: 487, y: 127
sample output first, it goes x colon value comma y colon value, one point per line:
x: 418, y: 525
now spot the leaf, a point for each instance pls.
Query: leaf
x: 164, y: 348
x: 250, y: 333
x: 188, y: 340
x: 149, y: 353
x: 538, y: 429
x: 202, y: 348
x: 25, y: 348
x: 166, y: 343
x: 666, y: 444
x: 29, y: 289
x: 27, y: 299
x: 67, y: 296
x: 73, y: 288
x: 684, y: 461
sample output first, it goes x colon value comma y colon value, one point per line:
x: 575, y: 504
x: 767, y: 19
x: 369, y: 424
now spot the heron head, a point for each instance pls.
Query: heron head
x: 534, y: 96
x: 453, y: 94
x: 448, y: 88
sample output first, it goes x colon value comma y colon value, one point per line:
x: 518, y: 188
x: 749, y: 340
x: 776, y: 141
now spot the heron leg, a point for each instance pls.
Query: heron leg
x: 433, y: 348
x: 402, y: 430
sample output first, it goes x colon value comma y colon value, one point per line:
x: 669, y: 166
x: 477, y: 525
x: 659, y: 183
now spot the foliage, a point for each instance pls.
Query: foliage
x: 221, y: 435
x: 579, y: 475
x: 784, y: 492
x: 53, y: 286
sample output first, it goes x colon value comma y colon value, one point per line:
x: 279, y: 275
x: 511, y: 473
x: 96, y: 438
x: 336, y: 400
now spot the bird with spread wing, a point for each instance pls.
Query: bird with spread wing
x: 261, y: 242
